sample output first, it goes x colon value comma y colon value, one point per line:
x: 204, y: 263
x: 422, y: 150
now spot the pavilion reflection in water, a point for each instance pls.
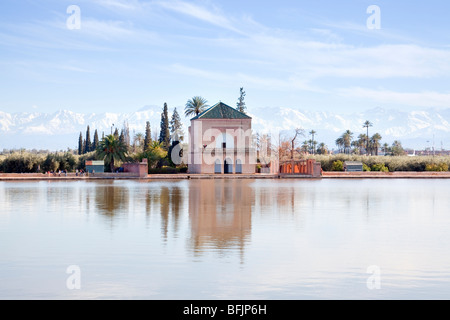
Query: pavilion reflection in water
x: 220, y: 214
x: 219, y: 210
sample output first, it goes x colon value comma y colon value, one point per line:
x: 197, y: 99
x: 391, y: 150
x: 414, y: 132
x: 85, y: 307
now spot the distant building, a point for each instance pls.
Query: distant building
x: 220, y: 141
x: 95, y: 166
x: 353, y: 166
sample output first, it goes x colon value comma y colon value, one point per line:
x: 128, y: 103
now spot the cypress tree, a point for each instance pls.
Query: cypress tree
x: 164, y: 134
x: 240, y: 105
x: 176, y: 129
x: 122, y: 136
x: 126, y: 134
x: 88, y: 146
x: 96, y: 142
x: 148, y: 136
x: 80, y: 144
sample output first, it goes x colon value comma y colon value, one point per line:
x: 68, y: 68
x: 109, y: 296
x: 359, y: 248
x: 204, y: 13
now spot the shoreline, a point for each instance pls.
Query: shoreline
x: 387, y: 175
x: 181, y: 176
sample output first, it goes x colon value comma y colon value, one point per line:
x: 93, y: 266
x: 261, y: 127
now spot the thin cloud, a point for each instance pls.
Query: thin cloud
x: 212, y: 16
x: 384, y: 33
x: 321, y: 52
x: 267, y: 82
x: 120, y: 4
x: 75, y: 69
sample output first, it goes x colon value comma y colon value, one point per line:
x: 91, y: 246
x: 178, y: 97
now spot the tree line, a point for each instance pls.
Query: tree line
x: 117, y: 147
x: 364, y: 144
x: 120, y: 146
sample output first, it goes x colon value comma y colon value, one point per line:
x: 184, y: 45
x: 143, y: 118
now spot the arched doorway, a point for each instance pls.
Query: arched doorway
x: 228, y: 166
x: 238, y: 166
x: 217, y: 166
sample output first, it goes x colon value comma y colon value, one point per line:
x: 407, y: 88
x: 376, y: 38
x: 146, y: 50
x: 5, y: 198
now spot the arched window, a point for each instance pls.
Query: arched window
x: 238, y: 166
x: 217, y: 166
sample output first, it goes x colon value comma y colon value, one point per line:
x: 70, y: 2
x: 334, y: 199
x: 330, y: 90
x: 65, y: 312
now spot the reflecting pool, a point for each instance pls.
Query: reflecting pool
x: 225, y: 239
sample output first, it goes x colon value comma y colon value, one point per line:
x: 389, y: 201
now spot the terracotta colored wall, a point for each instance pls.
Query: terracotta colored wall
x: 306, y: 167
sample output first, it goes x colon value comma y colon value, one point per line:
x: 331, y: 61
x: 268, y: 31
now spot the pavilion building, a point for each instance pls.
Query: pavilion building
x: 220, y: 141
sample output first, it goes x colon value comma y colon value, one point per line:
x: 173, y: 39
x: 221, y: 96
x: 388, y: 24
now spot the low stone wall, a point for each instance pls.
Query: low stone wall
x: 378, y: 174
x: 109, y: 175
x: 131, y: 175
x: 139, y: 169
x: 23, y: 175
x: 68, y: 176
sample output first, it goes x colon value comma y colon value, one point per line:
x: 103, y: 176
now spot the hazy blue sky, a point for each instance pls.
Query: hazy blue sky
x: 310, y: 55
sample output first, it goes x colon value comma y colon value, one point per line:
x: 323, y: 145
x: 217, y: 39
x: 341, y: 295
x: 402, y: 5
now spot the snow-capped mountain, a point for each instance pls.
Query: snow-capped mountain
x: 60, y: 130
x: 415, y: 129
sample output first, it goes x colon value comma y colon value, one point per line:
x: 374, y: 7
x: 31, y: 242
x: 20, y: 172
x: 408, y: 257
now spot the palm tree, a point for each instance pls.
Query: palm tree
x: 156, y: 145
x: 367, y: 124
x: 312, y: 133
x: 361, y: 142
x: 155, y: 153
x: 138, y: 140
x: 305, y: 147
x: 322, y: 148
x: 310, y: 144
x: 112, y: 150
x: 385, y: 148
x: 340, y: 143
x: 356, y: 146
x: 195, y: 106
x: 375, y: 142
x: 347, y: 140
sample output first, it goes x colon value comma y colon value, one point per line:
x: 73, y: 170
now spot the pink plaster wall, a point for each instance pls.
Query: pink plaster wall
x: 204, y: 149
x: 140, y: 169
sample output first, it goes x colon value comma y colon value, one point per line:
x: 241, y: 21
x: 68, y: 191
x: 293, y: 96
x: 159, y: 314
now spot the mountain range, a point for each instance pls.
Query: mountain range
x: 60, y: 130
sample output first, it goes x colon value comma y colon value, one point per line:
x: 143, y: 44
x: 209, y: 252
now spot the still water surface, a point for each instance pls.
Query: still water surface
x: 226, y: 239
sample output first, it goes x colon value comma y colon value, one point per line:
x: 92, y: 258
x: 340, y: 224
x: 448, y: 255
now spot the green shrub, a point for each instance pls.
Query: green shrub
x: 392, y: 163
x: 379, y: 167
x: 163, y: 170
x: 338, y: 165
x: 183, y: 169
x: 21, y: 163
x: 436, y: 167
x: 366, y: 167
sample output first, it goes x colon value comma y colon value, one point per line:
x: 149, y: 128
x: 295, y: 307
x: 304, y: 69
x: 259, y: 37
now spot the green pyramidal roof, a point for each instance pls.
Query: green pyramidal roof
x: 221, y: 111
